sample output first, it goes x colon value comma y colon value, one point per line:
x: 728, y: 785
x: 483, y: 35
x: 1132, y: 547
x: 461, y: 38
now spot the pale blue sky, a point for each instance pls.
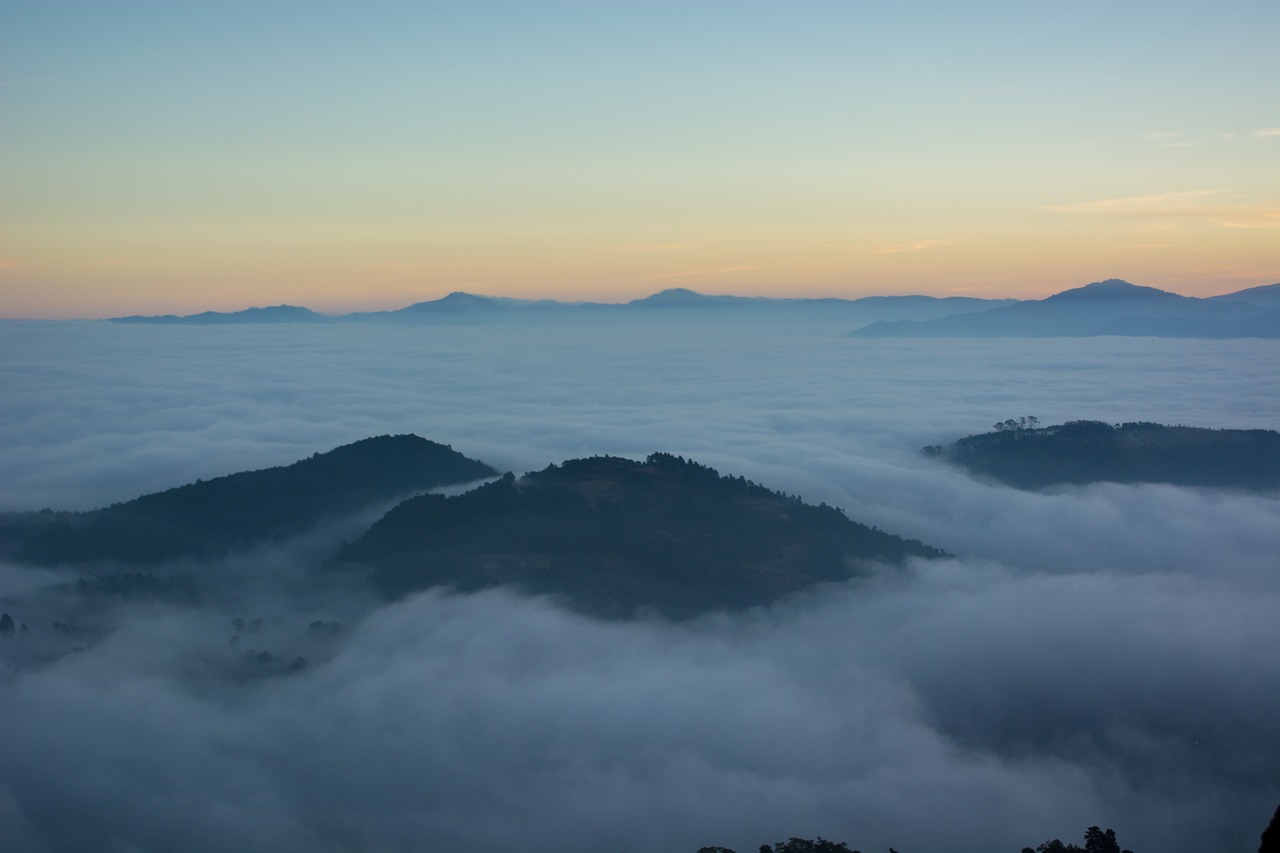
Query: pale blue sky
x: 163, y: 156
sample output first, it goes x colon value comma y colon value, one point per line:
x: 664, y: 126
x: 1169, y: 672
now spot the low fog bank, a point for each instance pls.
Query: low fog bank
x: 1096, y: 655
x: 962, y: 707
x: 97, y: 412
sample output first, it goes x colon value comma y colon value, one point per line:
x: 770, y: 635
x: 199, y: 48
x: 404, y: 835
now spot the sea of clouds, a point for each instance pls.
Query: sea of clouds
x: 1094, y: 655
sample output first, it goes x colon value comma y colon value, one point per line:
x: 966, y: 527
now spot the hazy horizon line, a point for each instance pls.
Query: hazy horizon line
x: 608, y: 303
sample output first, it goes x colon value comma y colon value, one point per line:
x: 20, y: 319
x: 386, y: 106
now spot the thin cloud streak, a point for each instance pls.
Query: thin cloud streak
x: 657, y: 247
x: 914, y: 246
x: 1157, y: 204
x: 1188, y: 205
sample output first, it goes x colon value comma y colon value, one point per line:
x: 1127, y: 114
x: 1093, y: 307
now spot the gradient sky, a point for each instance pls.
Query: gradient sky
x: 180, y: 156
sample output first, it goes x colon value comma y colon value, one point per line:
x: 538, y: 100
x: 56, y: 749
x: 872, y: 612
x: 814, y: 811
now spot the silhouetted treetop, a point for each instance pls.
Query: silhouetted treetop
x: 614, y: 536
x: 1096, y: 840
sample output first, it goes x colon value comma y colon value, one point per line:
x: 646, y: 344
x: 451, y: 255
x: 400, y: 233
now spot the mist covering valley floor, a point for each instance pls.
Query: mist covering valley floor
x: 1099, y: 654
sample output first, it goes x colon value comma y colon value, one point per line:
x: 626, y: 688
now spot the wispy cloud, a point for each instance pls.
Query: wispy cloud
x: 1157, y: 204
x: 1189, y: 204
x: 698, y: 273
x: 1257, y: 218
x: 1169, y: 139
x: 1261, y: 133
x: 657, y: 247
x: 8, y: 263
x: 1137, y: 246
x: 913, y: 246
x: 395, y: 267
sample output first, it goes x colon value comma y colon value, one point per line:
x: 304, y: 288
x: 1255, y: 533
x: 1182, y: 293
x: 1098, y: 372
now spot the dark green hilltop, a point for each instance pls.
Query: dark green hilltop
x: 215, y: 516
x: 609, y: 536
x: 1081, y: 452
x: 616, y: 537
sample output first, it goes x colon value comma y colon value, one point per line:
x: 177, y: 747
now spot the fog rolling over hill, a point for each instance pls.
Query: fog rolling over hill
x: 1093, y: 654
x: 215, y: 516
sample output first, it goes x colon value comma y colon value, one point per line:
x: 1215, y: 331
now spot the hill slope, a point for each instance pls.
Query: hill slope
x: 214, y: 516
x: 1092, y: 451
x: 615, y: 536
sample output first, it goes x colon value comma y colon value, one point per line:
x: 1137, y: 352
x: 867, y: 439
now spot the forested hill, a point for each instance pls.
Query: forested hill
x: 615, y: 536
x: 1092, y: 451
x: 214, y: 516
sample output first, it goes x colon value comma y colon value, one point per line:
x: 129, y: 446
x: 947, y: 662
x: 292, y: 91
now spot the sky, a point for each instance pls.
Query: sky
x: 162, y: 157
x: 1097, y: 654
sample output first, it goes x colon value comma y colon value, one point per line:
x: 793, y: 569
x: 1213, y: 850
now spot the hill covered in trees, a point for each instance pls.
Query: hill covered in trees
x: 614, y: 536
x: 1031, y: 457
x: 215, y: 516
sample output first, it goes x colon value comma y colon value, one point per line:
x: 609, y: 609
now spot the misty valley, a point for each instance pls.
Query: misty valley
x: 674, y: 581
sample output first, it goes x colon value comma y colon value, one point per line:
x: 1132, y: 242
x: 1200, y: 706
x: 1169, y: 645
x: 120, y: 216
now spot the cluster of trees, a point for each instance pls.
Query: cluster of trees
x: 8, y: 626
x: 1096, y: 840
x: 796, y: 845
x: 1028, y: 422
x: 1095, y: 451
x: 614, y: 535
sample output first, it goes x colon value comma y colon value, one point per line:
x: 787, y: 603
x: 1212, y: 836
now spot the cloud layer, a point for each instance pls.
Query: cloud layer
x: 1094, y: 655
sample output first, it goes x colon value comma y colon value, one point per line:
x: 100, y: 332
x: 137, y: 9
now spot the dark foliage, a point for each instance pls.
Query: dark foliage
x: 1092, y: 451
x: 1270, y: 842
x: 216, y: 516
x: 615, y: 536
x: 1096, y: 840
x: 805, y: 845
x: 796, y: 845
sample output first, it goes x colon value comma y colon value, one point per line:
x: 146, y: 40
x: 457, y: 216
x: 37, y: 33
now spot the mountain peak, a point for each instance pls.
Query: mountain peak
x: 673, y: 296
x: 1113, y: 288
x: 458, y: 300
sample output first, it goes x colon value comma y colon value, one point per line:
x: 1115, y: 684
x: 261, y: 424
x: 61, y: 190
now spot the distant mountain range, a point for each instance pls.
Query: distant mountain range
x: 468, y: 307
x: 1111, y: 307
x: 1091, y: 451
x: 273, y: 314
x: 607, y: 535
